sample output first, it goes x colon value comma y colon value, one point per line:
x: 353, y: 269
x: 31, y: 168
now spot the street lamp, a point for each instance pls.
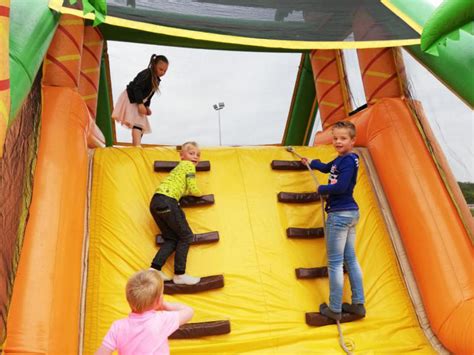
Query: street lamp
x: 218, y: 107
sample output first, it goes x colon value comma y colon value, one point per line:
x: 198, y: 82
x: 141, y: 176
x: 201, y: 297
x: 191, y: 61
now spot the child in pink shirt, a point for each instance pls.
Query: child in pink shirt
x: 147, y: 327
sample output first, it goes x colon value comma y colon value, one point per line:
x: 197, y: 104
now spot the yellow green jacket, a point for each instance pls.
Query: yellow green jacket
x: 180, y: 182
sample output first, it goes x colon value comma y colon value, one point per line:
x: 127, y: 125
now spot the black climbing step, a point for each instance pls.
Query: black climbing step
x: 317, y: 319
x: 305, y: 233
x: 312, y: 273
x: 206, y: 283
x: 193, y: 201
x: 288, y: 165
x: 298, y: 197
x: 201, y: 329
x: 162, y: 165
x: 201, y: 238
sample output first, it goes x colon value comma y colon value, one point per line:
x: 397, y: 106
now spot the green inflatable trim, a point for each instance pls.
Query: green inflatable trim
x: 301, y: 119
x: 453, y: 65
x: 104, y: 114
x: 455, y: 61
x: 96, y: 7
x: 445, y: 23
x: 32, y: 27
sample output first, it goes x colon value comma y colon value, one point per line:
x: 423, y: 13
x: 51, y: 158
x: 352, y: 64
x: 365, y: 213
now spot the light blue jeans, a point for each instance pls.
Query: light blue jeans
x: 340, y: 241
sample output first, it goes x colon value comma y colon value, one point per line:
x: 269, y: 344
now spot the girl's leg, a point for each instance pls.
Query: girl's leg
x: 337, y: 227
x: 137, y: 133
x: 353, y: 267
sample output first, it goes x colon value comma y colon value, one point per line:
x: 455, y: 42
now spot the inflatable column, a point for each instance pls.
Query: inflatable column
x: 331, y: 89
x: 89, y: 80
x: 383, y: 73
x: 439, y: 247
x: 44, y: 316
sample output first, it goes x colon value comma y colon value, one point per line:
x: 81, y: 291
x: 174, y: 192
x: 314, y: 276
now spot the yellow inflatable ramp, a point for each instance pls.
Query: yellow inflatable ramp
x: 262, y: 298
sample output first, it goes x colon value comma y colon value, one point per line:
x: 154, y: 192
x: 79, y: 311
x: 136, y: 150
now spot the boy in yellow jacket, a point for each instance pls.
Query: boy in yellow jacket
x: 170, y: 217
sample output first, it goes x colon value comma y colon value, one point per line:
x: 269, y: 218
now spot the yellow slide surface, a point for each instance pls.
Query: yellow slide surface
x: 262, y: 298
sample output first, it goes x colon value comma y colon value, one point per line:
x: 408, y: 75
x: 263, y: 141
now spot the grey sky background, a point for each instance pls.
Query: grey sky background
x: 257, y: 90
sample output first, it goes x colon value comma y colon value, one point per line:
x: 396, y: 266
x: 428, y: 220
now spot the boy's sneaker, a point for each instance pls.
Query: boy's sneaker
x: 326, y: 311
x: 357, y: 309
x: 163, y: 276
x: 185, y: 279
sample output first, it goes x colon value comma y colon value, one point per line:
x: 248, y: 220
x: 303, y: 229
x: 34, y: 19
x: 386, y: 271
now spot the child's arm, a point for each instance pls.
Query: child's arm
x: 185, y: 312
x: 142, y: 109
x: 346, y: 170
x: 103, y: 351
x: 191, y: 184
x: 109, y: 342
x: 138, y: 85
x: 318, y: 165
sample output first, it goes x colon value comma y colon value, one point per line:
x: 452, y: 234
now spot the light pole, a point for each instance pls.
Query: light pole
x: 218, y: 107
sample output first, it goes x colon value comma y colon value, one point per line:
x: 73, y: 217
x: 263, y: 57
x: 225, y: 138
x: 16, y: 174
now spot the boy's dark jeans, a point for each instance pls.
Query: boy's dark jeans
x: 175, y: 230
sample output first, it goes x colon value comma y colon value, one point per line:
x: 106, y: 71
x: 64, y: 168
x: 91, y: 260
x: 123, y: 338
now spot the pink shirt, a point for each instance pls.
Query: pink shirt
x: 145, y: 333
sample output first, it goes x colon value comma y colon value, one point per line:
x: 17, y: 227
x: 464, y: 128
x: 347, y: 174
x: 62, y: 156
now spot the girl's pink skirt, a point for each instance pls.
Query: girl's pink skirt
x: 127, y: 114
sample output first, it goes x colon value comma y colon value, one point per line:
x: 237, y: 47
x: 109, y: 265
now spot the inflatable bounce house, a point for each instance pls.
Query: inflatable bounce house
x: 75, y: 222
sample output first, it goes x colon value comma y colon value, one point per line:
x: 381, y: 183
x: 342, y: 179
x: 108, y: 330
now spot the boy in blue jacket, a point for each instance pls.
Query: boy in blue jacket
x: 343, y: 215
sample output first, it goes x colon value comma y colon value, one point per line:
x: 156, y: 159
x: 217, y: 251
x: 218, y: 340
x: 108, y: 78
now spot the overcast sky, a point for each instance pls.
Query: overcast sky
x: 257, y: 90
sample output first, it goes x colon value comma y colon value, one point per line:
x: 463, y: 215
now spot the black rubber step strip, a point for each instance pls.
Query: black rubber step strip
x: 201, y: 329
x: 201, y: 238
x: 298, y: 197
x: 305, y: 233
x: 163, y: 165
x: 206, y: 283
x: 288, y: 165
x: 358, y: 109
x: 312, y: 273
x: 193, y: 201
x: 316, y: 319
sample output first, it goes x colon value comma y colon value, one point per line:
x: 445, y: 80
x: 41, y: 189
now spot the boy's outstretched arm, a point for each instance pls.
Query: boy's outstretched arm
x: 318, y: 165
x: 185, y: 312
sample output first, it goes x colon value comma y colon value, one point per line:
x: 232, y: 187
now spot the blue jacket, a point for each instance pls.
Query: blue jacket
x: 342, y: 179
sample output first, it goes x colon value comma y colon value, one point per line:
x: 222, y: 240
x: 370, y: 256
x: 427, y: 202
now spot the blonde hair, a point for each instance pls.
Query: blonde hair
x: 185, y: 146
x: 143, y: 290
x: 347, y: 125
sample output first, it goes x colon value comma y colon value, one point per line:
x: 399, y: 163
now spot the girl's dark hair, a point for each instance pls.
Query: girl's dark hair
x: 154, y: 60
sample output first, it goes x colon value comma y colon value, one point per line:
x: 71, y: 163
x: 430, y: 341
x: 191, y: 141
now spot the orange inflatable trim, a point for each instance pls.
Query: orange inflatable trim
x: 435, y: 239
x: 47, y: 287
